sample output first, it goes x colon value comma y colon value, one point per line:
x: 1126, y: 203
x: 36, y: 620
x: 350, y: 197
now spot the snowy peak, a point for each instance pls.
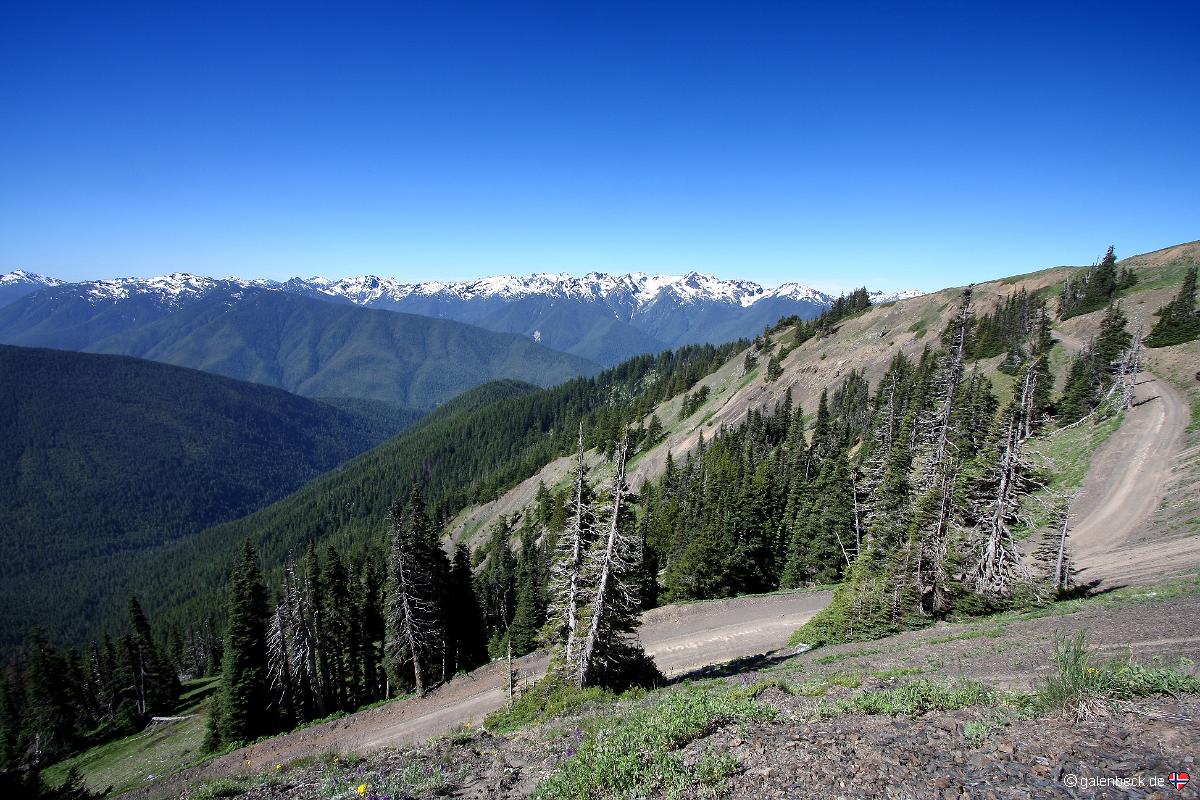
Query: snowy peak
x: 636, y: 289
x: 20, y: 276
x: 891, y: 297
x: 171, y: 290
x: 628, y: 293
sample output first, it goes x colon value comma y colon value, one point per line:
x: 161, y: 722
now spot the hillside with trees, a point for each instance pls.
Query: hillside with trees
x: 893, y: 451
x: 310, y: 347
x: 105, y: 457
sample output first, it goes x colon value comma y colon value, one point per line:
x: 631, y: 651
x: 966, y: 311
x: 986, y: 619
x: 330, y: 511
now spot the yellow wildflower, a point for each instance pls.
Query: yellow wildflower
x: 278, y: 767
x: 362, y: 788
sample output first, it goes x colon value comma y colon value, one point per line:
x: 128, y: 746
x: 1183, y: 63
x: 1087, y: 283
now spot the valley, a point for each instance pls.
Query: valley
x: 403, y: 401
x: 1125, y: 493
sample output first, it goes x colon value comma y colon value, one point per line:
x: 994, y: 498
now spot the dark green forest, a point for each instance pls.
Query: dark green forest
x: 310, y: 347
x: 104, y: 457
x: 469, y: 450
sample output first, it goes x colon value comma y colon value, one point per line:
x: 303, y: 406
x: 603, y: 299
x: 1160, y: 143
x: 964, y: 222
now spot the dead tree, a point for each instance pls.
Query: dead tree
x: 611, y: 641
x: 291, y: 647
x: 414, y: 628
x: 1006, y: 481
x: 567, y: 574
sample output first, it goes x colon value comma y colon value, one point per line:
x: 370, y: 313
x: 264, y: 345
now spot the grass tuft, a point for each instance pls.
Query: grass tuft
x: 636, y: 756
x: 912, y: 699
x: 1083, y: 687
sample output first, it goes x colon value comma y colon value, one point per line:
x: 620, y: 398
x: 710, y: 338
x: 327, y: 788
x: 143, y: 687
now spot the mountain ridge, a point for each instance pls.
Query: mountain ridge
x: 600, y: 317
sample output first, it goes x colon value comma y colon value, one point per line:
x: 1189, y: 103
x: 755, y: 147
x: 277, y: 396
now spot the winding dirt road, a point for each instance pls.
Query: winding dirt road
x: 1126, y: 484
x: 1124, y: 487
x: 681, y: 639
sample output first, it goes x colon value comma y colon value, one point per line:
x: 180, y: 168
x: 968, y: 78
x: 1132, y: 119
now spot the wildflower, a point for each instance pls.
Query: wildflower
x: 362, y: 788
x: 278, y: 767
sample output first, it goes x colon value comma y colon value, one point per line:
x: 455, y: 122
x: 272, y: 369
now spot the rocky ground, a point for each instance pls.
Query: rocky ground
x: 941, y: 755
x: 988, y: 750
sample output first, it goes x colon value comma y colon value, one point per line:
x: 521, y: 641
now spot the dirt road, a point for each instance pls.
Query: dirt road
x: 1126, y: 484
x: 681, y: 638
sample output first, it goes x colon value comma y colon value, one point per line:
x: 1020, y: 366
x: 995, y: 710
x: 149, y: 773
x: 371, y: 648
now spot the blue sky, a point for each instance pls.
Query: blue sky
x: 835, y: 144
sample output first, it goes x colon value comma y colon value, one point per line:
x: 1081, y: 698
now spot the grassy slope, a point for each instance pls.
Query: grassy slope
x: 161, y: 749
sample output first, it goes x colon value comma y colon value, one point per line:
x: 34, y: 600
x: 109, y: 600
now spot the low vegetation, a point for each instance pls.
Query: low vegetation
x: 636, y: 756
x: 1084, y: 686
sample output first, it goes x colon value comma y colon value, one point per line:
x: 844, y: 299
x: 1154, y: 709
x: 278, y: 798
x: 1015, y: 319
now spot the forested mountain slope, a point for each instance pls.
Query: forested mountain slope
x: 469, y: 450
x: 102, y: 457
x: 310, y: 347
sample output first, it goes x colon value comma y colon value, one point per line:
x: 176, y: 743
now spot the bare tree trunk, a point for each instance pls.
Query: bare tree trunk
x: 575, y: 565
x: 510, y: 674
x: 599, y: 604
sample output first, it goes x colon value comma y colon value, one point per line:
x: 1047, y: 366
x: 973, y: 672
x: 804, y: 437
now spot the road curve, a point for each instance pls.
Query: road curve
x: 681, y: 638
x: 1125, y: 484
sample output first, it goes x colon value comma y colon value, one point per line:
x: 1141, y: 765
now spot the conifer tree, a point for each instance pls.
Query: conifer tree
x: 245, y: 699
x: 1178, y: 321
x: 415, y: 630
x: 49, y: 729
x: 469, y: 640
x: 155, y: 684
x: 292, y: 650
x: 568, y: 573
x: 610, y: 653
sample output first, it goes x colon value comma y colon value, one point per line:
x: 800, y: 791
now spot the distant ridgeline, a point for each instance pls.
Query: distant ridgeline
x: 310, y: 347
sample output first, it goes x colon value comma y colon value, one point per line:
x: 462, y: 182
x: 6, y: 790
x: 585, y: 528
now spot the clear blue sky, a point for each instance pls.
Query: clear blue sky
x: 835, y: 144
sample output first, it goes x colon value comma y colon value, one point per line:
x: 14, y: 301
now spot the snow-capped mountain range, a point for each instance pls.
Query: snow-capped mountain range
x: 603, y: 317
x: 638, y: 289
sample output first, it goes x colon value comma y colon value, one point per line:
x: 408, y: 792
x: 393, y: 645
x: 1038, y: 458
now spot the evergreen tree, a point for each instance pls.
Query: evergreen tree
x: 155, y: 684
x: 654, y: 430
x: 1095, y: 288
x: 1178, y: 320
x: 415, y: 618
x: 469, y: 637
x: 49, y: 729
x: 610, y: 653
x: 245, y: 701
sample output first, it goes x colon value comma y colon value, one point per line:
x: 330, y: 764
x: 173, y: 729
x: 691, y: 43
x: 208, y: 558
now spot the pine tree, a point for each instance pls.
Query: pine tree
x: 245, y: 699
x: 469, y: 638
x: 610, y: 653
x: 292, y: 651
x: 373, y: 628
x: 415, y: 632
x: 1178, y: 320
x: 654, y: 430
x: 155, y: 684
x: 1095, y: 288
x: 567, y: 573
x: 1002, y: 478
x: 49, y: 729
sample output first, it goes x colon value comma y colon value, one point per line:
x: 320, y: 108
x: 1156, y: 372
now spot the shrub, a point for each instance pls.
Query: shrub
x: 548, y: 698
